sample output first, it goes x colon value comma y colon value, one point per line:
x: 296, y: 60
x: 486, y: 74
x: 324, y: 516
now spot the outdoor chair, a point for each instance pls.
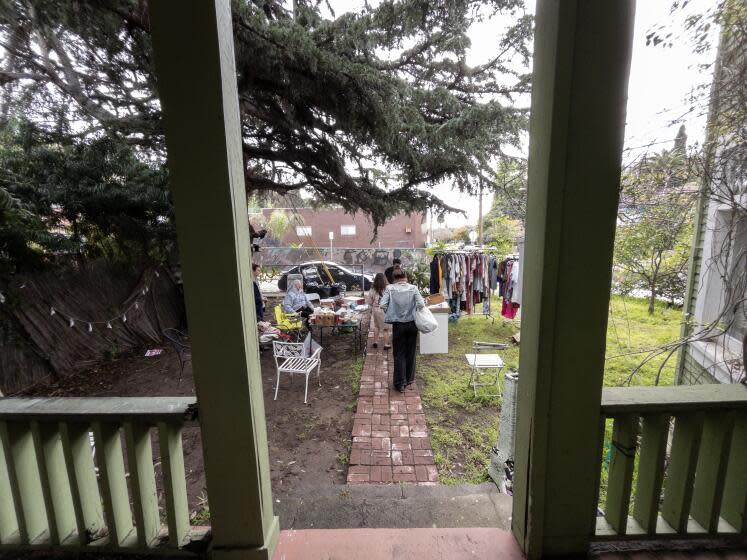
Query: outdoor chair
x: 289, y: 323
x: 289, y: 358
x: 479, y: 362
x: 180, y: 343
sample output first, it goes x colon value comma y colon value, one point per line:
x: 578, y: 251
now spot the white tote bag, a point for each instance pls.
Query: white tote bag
x: 425, y: 321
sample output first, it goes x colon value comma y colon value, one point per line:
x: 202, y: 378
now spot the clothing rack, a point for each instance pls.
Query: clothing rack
x: 486, y: 290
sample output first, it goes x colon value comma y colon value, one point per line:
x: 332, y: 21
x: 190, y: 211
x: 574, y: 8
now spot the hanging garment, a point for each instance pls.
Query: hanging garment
x: 509, y: 310
x: 434, y: 276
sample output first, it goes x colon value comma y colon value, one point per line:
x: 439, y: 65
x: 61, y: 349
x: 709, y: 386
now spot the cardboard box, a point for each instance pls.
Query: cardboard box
x: 328, y: 303
x: 434, y: 299
x: 324, y: 319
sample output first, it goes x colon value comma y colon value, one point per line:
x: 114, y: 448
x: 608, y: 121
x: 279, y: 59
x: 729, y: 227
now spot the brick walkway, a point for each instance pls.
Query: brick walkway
x: 390, y: 437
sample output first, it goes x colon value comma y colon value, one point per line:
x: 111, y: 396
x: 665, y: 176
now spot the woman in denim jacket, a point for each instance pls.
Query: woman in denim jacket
x: 400, y: 302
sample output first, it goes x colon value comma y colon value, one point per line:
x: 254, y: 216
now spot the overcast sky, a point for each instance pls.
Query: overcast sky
x: 660, y: 83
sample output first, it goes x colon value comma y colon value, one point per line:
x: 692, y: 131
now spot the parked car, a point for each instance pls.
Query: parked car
x: 314, y: 277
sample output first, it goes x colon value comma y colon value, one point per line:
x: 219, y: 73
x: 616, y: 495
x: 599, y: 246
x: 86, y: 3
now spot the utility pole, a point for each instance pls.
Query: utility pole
x: 430, y: 237
x: 479, y: 218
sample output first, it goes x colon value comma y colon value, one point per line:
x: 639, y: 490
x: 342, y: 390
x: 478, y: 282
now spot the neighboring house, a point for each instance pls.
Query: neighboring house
x: 715, y: 308
x: 312, y: 226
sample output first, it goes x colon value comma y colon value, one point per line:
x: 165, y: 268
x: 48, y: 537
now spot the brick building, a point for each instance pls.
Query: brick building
x: 352, y: 230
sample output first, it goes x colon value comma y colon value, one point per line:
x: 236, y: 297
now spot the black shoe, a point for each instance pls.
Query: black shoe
x: 387, y: 346
x: 375, y: 345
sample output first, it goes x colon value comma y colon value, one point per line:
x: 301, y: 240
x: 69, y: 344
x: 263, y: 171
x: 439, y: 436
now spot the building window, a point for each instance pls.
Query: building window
x: 347, y: 230
x: 303, y: 231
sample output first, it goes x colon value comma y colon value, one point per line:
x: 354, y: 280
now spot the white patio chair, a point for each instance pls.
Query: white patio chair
x: 289, y: 358
x: 479, y: 362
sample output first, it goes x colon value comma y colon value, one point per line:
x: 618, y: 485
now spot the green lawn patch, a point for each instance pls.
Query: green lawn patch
x: 463, y: 428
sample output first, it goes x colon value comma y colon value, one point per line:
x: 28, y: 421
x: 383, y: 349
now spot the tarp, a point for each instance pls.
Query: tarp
x: 37, y: 342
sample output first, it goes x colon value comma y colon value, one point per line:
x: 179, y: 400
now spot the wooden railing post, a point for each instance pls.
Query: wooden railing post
x: 579, y: 91
x: 195, y: 68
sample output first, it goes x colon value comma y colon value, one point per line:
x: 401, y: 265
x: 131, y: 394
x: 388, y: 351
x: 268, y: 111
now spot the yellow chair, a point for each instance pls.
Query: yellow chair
x: 287, y: 322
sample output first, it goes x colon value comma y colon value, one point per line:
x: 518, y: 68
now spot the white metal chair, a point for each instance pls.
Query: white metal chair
x: 289, y: 358
x: 483, y: 362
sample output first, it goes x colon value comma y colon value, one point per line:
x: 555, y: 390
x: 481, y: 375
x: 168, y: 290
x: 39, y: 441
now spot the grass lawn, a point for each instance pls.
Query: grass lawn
x: 464, y: 428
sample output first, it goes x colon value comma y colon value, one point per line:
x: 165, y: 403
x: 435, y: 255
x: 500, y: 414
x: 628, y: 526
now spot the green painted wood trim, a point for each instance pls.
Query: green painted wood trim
x: 105, y: 409
x: 734, y: 506
x: 654, y: 438
x: 621, y: 400
x: 89, y: 515
x: 58, y: 482
x: 675, y: 508
x: 174, y: 482
x: 622, y: 462
x: 10, y: 508
x: 711, y: 470
x: 581, y: 65
x: 113, y: 483
x: 27, y: 479
x: 142, y: 483
x: 44, y: 483
x: 205, y: 152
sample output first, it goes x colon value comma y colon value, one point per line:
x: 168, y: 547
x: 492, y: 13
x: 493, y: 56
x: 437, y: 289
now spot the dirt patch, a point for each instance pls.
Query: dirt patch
x: 309, y: 444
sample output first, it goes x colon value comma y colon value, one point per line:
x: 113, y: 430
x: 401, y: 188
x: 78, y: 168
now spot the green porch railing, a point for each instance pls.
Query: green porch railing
x: 687, y: 447
x: 64, y: 479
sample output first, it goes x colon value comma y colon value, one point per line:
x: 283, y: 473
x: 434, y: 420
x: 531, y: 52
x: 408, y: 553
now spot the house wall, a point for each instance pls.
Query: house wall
x: 400, y: 231
x: 718, y: 247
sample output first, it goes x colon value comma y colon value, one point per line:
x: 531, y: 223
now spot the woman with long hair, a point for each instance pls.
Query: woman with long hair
x: 377, y: 314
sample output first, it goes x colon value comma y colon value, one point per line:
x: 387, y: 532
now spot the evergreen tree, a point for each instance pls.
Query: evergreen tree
x: 367, y: 110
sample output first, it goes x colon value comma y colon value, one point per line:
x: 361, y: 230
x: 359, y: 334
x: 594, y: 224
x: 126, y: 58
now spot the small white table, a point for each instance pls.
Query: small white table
x: 484, y: 361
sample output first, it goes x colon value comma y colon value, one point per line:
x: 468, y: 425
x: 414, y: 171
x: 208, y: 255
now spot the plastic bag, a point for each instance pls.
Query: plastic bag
x: 310, y: 346
x: 425, y: 321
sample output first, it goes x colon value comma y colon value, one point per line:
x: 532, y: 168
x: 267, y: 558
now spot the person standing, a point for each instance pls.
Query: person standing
x: 400, y: 302
x: 389, y: 272
x: 377, y: 314
x: 259, y: 302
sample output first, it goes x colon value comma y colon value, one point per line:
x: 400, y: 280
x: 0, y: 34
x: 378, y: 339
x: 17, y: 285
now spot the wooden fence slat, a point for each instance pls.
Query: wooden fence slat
x: 651, y: 470
x: 734, y: 505
x: 57, y: 481
x: 11, y: 515
x: 675, y: 508
x: 110, y: 461
x: 81, y: 471
x: 174, y: 482
x: 620, y: 477
x: 143, y: 483
x: 710, y: 473
x: 26, y: 478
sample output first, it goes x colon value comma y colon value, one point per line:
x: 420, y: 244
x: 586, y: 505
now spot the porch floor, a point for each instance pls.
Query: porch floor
x: 390, y: 544
x: 454, y: 544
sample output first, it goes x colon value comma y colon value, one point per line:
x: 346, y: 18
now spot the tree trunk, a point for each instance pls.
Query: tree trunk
x: 652, y: 297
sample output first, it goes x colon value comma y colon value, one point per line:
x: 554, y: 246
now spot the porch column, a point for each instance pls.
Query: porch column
x: 193, y: 45
x: 579, y: 91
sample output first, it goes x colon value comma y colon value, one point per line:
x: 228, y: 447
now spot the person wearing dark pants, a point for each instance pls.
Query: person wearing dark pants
x: 405, y: 337
x: 400, y: 302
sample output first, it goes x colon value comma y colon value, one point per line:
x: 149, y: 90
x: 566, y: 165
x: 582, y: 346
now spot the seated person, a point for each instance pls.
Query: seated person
x: 295, y: 300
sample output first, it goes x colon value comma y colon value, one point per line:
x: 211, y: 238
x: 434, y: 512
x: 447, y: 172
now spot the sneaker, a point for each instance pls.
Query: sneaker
x: 375, y: 345
x: 387, y: 346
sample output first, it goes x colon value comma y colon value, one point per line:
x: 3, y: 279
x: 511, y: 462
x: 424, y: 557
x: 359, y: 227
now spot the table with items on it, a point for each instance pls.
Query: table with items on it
x: 341, y: 314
